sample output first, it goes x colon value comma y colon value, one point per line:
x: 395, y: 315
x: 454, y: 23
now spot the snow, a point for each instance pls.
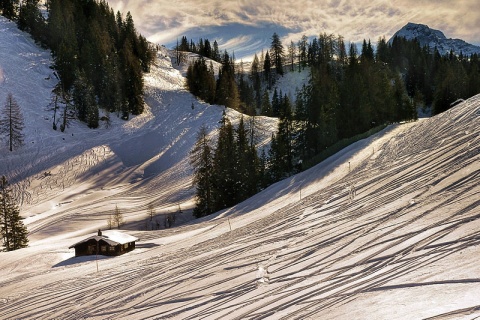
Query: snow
x: 388, y: 228
x: 435, y: 39
x: 112, y: 237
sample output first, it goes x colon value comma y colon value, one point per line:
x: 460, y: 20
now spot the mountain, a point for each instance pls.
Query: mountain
x: 388, y: 228
x: 435, y: 38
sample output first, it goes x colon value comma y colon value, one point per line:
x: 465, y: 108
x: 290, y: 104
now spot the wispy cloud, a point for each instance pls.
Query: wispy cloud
x: 163, y: 21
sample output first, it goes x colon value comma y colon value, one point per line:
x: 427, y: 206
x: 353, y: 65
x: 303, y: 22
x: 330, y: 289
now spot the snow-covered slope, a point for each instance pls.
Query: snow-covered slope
x: 386, y: 229
x: 435, y: 38
x: 72, y: 181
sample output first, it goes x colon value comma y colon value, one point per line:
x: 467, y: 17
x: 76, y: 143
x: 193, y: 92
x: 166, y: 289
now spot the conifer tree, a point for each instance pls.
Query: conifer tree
x: 201, y: 159
x: 302, y: 52
x: 227, y: 93
x: 267, y: 65
x: 247, y: 163
x: 11, y: 123
x: 9, y: 8
x: 256, y: 81
x: 292, y: 51
x: 277, y: 53
x: 224, y: 167
x: 266, y: 105
x: 85, y: 102
x: 13, y: 231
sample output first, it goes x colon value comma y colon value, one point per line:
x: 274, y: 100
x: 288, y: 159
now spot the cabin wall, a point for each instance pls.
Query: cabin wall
x: 90, y: 248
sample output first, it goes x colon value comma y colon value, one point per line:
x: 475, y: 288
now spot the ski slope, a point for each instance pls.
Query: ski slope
x: 388, y: 228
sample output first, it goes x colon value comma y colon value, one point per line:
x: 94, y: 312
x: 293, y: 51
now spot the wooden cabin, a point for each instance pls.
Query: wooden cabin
x: 107, y: 243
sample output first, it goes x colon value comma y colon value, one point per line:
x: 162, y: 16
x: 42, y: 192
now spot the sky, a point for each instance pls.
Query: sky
x: 244, y: 26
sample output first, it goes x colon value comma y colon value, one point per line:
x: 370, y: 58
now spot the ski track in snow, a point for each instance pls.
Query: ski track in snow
x: 389, y: 228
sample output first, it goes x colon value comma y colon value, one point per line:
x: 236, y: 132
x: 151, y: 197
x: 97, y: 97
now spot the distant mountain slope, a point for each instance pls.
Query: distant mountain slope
x: 435, y: 38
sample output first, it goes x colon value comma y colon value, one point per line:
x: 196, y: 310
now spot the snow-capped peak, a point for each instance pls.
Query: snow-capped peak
x: 435, y: 38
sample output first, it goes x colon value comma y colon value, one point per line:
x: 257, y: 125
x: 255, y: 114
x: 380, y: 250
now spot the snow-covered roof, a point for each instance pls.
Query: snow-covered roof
x: 111, y: 237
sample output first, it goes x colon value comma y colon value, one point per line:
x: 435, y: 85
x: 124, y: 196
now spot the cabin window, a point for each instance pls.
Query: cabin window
x: 91, y: 249
x: 111, y: 248
x: 125, y: 246
x: 103, y: 248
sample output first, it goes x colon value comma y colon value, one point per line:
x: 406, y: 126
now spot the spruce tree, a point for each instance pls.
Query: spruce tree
x: 201, y: 159
x: 11, y: 123
x: 292, y: 52
x: 13, y: 231
x: 246, y: 163
x: 227, y: 93
x: 266, y: 105
x: 302, y: 52
x: 225, y: 167
x: 277, y: 53
x: 267, y: 65
x: 9, y: 8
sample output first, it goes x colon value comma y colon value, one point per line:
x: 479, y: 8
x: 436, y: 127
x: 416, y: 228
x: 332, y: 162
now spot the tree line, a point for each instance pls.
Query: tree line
x: 202, y: 47
x: 98, y: 55
x: 348, y: 93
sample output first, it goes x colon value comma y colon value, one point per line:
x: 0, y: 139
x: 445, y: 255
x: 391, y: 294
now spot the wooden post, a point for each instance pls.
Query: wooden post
x: 96, y: 257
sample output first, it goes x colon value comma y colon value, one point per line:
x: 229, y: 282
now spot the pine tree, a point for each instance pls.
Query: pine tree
x: 201, y: 159
x: 292, y: 51
x: 247, y: 162
x: 302, y: 52
x: 266, y: 105
x: 256, y: 81
x: 85, y: 102
x: 224, y: 167
x: 267, y: 72
x: 227, y: 93
x: 277, y: 53
x: 31, y: 20
x: 11, y: 123
x: 13, y: 231
x: 9, y: 8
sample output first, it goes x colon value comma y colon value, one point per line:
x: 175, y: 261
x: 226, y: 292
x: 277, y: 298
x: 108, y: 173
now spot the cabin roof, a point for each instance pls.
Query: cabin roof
x: 112, y: 237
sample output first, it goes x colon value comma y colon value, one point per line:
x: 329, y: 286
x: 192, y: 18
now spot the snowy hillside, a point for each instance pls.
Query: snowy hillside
x: 65, y: 179
x: 435, y: 38
x: 389, y: 228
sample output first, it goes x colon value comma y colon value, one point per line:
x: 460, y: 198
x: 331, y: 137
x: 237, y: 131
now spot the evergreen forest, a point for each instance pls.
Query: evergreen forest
x: 348, y: 94
x: 99, y: 57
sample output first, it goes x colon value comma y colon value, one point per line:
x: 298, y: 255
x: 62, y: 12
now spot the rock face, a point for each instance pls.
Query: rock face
x: 435, y: 38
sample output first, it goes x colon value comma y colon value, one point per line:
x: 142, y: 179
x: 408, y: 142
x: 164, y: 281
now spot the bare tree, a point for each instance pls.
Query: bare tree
x: 11, y: 123
x: 110, y: 222
x: 151, y: 214
x: 117, y: 217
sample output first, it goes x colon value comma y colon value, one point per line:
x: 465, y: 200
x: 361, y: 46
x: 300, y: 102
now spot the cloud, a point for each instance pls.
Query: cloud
x: 163, y: 21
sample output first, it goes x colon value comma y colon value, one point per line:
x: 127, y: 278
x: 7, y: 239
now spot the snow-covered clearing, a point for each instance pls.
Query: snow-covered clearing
x: 388, y: 228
